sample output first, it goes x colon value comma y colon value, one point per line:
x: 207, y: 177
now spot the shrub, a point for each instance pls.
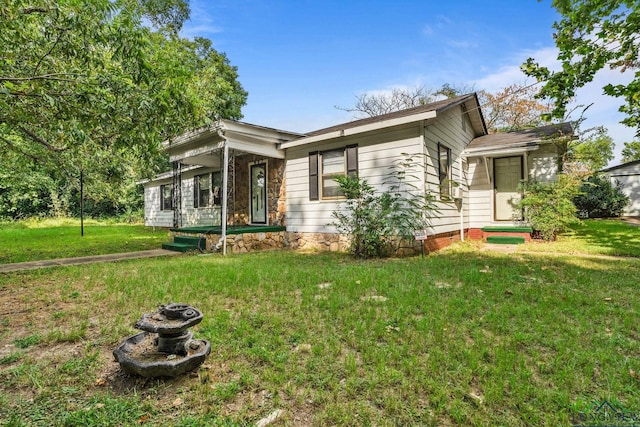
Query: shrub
x: 599, y: 198
x: 548, y: 207
x: 376, y: 221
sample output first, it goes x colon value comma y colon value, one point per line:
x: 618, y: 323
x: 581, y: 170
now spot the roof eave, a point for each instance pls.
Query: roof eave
x: 360, y: 129
x: 501, y: 150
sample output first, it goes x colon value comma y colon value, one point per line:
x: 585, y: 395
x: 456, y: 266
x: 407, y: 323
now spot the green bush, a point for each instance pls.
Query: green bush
x: 548, y: 207
x: 376, y: 221
x: 599, y: 198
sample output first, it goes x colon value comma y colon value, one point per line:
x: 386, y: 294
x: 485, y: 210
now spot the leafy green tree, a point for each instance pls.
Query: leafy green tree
x: 592, y: 150
x: 631, y: 151
x: 592, y: 35
x: 598, y: 198
x: 90, y: 86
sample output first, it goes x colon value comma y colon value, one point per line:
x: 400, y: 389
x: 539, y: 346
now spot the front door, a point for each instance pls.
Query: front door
x: 258, y: 200
x: 507, y: 172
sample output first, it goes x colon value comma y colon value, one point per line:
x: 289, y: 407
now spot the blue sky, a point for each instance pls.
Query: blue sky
x: 300, y: 59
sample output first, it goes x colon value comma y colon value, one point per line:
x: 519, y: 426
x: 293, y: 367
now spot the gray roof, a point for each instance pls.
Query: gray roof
x: 438, y: 107
x: 521, y: 137
x: 620, y: 166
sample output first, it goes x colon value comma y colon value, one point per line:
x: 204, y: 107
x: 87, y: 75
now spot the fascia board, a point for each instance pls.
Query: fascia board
x: 360, y: 129
x: 492, y: 152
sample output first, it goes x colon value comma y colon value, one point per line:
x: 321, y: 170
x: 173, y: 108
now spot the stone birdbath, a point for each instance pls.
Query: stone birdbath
x: 166, y: 348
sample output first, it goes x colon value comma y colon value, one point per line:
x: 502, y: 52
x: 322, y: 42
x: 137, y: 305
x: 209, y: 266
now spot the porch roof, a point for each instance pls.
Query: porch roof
x: 517, y: 141
x: 196, y: 147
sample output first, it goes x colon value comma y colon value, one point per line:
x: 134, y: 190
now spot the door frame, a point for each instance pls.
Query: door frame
x: 495, y: 189
x: 265, y: 193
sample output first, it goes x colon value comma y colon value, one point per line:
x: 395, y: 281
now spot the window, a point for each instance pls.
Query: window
x: 217, y: 188
x: 166, y: 197
x: 207, y: 190
x: 325, y: 166
x: 444, y: 170
x: 332, y: 166
x: 201, y: 190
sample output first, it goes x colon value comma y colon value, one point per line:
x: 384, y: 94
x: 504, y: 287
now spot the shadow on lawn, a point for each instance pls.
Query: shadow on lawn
x: 617, y: 236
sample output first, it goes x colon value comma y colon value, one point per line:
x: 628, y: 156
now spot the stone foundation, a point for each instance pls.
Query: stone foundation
x: 249, y: 242
x: 320, y: 242
x: 335, y: 242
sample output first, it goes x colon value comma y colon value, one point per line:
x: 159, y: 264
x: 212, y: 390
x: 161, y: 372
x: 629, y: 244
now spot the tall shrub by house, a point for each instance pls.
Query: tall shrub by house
x: 377, y: 222
x: 548, y: 207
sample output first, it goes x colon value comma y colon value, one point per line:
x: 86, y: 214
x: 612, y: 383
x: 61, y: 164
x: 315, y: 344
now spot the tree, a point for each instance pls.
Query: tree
x: 592, y: 151
x: 88, y: 86
x: 631, y: 151
x: 377, y: 104
x: 514, y: 107
x: 592, y: 35
x: 598, y: 198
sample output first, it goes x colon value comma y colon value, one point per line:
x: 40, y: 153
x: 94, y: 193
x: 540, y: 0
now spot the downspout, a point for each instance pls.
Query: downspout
x: 461, y: 186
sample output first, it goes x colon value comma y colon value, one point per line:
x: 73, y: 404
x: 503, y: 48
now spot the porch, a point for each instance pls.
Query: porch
x: 239, y: 238
x: 226, y: 186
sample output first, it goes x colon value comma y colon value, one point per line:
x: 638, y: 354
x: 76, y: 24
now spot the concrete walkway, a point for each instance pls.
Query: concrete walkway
x: 32, y: 265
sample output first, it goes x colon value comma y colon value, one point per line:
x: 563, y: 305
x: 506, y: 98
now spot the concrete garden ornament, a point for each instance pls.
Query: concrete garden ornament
x: 166, y: 348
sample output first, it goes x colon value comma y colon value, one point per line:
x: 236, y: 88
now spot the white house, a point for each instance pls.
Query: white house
x: 628, y: 174
x: 279, y: 188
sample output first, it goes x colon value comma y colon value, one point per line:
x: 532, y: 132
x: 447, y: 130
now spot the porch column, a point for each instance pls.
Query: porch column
x: 177, y: 194
x: 225, y: 179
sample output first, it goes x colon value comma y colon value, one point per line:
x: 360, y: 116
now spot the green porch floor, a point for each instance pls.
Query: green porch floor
x: 234, y: 229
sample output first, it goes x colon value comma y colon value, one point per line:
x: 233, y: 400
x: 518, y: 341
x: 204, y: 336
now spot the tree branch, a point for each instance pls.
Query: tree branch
x: 40, y: 140
x: 43, y: 77
x: 18, y: 150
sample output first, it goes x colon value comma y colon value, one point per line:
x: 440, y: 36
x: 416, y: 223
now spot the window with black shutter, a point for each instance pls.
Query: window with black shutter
x: 326, y: 166
x: 166, y: 197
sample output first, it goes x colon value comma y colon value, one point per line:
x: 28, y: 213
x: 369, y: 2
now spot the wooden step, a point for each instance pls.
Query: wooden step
x: 197, y: 242
x: 179, y: 247
x: 506, y: 240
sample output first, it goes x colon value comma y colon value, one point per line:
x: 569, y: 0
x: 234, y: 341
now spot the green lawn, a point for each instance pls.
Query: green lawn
x: 60, y: 238
x: 596, y: 237
x: 460, y: 337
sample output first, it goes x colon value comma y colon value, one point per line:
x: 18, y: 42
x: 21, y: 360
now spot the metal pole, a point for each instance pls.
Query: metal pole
x: 81, y: 203
x: 225, y: 178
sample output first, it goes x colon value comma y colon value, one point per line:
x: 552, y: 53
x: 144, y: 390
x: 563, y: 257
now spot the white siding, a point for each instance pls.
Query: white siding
x: 543, y: 164
x: 191, y: 216
x: 196, y: 216
x: 153, y: 216
x: 629, y: 177
x: 480, y: 192
x: 447, y: 130
x: 376, y: 153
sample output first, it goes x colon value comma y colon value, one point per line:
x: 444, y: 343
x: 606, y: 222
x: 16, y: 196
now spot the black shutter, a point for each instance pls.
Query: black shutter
x: 196, y: 190
x: 313, y: 176
x: 352, y: 160
x: 162, y: 197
